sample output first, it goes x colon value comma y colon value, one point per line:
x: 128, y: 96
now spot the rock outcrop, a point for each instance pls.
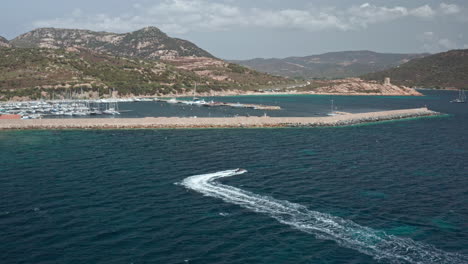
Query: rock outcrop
x: 356, y: 86
x: 4, y: 43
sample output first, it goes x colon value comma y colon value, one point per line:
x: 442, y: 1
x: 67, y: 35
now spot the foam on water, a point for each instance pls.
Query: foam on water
x: 346, y: 233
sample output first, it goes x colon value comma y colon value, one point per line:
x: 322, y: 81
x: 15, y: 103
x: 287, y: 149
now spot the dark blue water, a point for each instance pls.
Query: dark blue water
x: 108, y: 196
x: 292, y: 105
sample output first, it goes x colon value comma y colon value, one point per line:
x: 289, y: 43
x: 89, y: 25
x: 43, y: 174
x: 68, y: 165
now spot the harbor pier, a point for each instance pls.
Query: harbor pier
x: 230, y: 122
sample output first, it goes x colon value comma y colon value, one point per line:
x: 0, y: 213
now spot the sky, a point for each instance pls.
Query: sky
x: 245, y: 29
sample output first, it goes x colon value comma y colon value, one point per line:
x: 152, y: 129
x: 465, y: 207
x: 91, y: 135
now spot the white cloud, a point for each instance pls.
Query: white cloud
x: 449, y: 8
x: 432, y: 43
x: 423, y: 11
x: 181, y: 16
x: 447, y: 43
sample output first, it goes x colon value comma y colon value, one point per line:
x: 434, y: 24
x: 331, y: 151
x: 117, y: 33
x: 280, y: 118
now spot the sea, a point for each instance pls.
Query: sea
x: 391, y: 192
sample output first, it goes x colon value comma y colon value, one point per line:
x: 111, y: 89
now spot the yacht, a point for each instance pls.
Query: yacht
x: 332, y: 113
x: 111, y: 111
x: 461, y: 97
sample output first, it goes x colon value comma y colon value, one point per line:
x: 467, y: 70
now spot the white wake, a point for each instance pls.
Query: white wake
x: 346, y: 233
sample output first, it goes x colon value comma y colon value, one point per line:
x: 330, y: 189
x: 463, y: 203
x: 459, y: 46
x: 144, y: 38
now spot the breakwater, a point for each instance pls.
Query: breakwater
x: 232, y: 122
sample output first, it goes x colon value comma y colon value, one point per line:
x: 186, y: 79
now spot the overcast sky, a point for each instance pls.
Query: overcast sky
x: 242, y: 29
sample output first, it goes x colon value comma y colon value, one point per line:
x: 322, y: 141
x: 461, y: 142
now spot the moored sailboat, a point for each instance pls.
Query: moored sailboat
x: 461, y: 97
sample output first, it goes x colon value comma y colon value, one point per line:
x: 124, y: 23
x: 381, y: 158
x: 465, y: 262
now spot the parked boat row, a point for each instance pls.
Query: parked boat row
x: 65, y: 108
x: 202, y: 102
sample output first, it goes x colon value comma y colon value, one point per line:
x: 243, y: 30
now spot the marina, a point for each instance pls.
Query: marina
x: 202, y: 102
x: 232, y: 122
x: 67, y: 108
x: 110, y: 106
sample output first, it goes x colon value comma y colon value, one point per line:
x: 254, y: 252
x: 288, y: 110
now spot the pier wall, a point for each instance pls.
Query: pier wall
x: 230, y: 122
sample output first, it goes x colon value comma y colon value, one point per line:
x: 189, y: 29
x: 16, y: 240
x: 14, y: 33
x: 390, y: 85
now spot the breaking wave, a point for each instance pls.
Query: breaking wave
x: 346, y: 233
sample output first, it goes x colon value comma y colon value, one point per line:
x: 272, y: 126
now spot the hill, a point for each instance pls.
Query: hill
x: 41, y: 72
x: 4, y: 42
x: 330, y: 65
x: 356, y: 86
x: 442, y: 70
x: 147, y: 43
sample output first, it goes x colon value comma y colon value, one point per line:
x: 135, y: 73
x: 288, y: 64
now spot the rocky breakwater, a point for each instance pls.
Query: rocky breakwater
x: 234, y: 122
x: 356, y: 86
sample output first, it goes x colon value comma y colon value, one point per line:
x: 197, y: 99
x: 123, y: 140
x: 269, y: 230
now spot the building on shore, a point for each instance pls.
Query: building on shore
x: 10, y: 116
x: 387, y: 81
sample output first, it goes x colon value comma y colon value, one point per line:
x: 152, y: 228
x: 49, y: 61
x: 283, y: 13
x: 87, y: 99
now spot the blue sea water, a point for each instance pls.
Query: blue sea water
x: 115, y: 196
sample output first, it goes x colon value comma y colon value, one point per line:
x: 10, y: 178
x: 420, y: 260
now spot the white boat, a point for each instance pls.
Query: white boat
x: 240, y: 171
x: 172, y: 101
x: 199, y: 102
x: 111, y: 111
x: 461, y: 97
x: 332, y: 113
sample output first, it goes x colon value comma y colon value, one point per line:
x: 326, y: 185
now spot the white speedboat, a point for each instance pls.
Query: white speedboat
x: 240, y: 171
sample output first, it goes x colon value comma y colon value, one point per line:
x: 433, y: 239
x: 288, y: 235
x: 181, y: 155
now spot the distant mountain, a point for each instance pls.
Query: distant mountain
x: 147, y: 43
x: 443, y: 70
x: 4, y: 42
x: 330, y: 65
x: 41, y: 72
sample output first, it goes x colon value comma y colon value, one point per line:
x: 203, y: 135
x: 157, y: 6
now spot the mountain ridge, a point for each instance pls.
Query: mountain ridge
x: 145, y: 43
x: 330, y: 65
x: 442, y: 70
x: 4, y: 43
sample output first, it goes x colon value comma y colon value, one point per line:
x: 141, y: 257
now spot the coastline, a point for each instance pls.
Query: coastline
x: 249, y: 93
x: 232, y: 122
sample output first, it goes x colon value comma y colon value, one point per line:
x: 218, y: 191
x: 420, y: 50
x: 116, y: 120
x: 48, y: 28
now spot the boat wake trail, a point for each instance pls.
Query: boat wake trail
x: 346, y: 233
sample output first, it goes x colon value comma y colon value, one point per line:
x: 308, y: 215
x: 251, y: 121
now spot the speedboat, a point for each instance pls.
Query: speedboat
x: 239, y: 170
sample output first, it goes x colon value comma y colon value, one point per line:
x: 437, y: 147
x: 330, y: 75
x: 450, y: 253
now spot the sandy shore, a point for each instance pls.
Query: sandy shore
x: 178, y: 122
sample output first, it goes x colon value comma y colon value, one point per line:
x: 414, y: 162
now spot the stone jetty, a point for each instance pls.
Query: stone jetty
x: 230, y: 122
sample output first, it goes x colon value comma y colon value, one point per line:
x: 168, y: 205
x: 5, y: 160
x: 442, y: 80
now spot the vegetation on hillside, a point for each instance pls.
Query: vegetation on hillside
x: 442, y: 70
x: 34, y: 72
x: 146, y: 43
x: 330, y: 65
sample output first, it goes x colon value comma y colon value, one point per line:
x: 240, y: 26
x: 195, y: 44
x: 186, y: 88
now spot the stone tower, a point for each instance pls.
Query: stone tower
x: 387, y: 81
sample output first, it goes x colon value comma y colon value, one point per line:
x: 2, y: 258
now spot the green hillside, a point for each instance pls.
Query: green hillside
x: 34, y: 71
x: 443, y: 70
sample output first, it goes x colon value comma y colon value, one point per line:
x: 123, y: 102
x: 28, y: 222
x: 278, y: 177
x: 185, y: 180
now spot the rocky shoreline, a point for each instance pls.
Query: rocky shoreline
x: 233, y: 122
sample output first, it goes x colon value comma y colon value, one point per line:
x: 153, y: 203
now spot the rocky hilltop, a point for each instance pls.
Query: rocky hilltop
x: 356, y: 86
x: 147, y: 43
x: 330, y: 65
x: 443, y: 70
x: 4, y: 42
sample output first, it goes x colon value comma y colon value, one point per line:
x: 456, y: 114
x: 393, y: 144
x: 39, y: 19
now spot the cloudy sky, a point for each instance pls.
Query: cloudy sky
x: 242, y: 29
